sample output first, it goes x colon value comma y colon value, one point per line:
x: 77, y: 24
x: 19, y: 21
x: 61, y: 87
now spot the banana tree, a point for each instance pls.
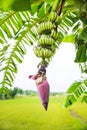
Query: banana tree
x: 44, y: 25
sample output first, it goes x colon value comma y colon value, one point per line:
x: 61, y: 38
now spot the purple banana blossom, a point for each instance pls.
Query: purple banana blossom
x: 43, y: 91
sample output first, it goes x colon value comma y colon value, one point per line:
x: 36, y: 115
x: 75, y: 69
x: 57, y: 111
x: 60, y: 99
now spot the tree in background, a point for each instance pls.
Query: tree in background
x: 44, y: 25
x: 11, y: 93
x: 16, y: 91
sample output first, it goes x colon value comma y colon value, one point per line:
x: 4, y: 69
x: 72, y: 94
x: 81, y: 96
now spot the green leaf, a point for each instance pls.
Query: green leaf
x: 74, y: 87
x: 18, y: 59
x: 60, y: 36
x: 84, y: 98
x: 74, y: 92
x: 10, y: 76
x: 76, y: 27
x: 12, y: 23
x: 81, y: 54
x: 3, y: 36
x: 70, y: 100
x: 69, y: 38
x: 6, y: 47
x: 83, y: 35
x: 85, y: 82
x: 16, y: 5
x: 44, y: 9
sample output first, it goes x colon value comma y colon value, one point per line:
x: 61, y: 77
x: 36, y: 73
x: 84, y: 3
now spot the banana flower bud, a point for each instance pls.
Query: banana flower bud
x: 42, y: 88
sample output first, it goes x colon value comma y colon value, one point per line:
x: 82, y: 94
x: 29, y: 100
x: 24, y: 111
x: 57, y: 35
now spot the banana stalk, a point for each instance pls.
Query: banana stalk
x: 56, y: 5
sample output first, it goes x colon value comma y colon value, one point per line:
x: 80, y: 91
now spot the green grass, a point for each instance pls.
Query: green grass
x: 27, y: 113
x: 80, y: 109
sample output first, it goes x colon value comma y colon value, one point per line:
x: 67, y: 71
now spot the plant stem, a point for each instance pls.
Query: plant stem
x: 61, y: 7
x: 56, y: 5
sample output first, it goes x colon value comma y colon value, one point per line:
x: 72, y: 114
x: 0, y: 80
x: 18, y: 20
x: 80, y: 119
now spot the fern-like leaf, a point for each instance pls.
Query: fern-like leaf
x: 19, y: 27
x: 17, y: 31
x: 14, y: 54
x: 11, y: 23
x: 84, y: 98
x: 75, y: 91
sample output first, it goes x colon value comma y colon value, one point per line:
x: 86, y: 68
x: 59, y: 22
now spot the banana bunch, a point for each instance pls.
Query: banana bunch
x: 53, y: 17
x: 47, y: 36
x: 44, y: 27
x: 43, y: 52
x: 46, y: 40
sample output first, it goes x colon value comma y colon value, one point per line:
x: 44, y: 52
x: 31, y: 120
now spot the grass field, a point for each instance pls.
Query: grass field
x: 27, y: 113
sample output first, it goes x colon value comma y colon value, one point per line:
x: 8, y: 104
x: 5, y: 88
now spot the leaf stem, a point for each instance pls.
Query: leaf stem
x: 56, y: 5
x: 61, y: 7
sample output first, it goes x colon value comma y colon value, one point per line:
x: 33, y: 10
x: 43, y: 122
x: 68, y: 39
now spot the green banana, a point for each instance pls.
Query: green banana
x: 45, y: 27
x: 53, y: 16
x: 47, y: 53
x: 37, y: 51
x: 46, y: 40
x: 54, y: 34
x: 53, y: 48
x: 47, y: 37
x: 43, y: 52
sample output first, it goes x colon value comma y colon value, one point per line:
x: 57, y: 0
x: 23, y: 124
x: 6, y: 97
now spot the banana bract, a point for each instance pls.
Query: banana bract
x: 43, y: 89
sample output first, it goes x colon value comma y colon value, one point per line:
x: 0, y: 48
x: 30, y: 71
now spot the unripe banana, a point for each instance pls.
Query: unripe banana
x: 53, y: 48
x: 47, y: 37
x: 54, y: 34
x: 44, y: 53
x: 52, y: 16
x: 49, y: 53
x: 46, y: 40
x: 41, y: 53
x: 38, y: 55
x: 52, y: 41
x: 48, y: 25
x: 36, y: 51
x: 44, y: 26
